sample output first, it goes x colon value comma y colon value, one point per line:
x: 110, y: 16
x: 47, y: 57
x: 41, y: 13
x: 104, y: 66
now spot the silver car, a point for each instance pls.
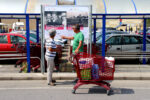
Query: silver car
x: 108, y: 32
x: 126, y: 46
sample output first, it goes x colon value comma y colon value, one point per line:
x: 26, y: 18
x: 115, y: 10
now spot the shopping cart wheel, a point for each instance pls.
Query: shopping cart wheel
x: 108, y: 92
x: 73, y: 91
x: 15, y: 66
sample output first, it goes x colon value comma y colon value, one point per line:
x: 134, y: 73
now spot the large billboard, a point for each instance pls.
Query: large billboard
x: 62, y: 18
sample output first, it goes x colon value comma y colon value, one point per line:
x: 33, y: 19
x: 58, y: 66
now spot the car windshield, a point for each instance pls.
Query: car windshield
x: 99, y: 39
x: 31, y: 38
x: 148, y: 31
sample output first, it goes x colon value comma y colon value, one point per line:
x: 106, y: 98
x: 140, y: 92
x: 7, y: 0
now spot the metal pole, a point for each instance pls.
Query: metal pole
x: 134, y: 6
x: 144, y: 39
x: 75, y: 2
x: 42, y: 42
x: 90, y: 30
x: 56, y: 2
x: 28, y: 41
x: 103, y: 36
x: 37, y: 30
x: 103, y: 41
x: 26, y: 6
x: 94, y: 38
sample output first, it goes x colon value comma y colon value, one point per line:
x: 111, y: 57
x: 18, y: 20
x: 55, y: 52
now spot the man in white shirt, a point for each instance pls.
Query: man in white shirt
x: 50, y: 54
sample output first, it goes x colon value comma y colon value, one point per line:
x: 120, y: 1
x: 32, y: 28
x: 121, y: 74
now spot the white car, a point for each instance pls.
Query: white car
x: 125, y: 46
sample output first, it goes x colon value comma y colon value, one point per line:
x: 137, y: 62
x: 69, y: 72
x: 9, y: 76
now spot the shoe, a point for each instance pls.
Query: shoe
x: 54, y: 81
x: 20, y: 71
x: 52, y: 84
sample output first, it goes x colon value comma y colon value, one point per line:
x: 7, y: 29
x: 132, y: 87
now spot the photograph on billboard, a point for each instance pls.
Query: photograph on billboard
x: 80, y: 18
x: 55, y: 19
x: 62, y: 18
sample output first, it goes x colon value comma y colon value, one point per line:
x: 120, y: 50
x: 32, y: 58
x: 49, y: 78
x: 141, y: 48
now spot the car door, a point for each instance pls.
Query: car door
x: 16, y: 39
x: 12, y: 44
x: 131, y: 45
x: 147, y: 43
x: 114, y: 43
x: 3, y: 44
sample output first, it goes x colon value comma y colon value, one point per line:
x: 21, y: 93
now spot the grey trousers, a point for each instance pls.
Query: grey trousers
x: 50, y: 67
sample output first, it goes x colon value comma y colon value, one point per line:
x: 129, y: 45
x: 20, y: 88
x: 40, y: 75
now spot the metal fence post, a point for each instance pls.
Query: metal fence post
x: 37, y: 30
x: 28, y: 42
x: 103, y: 35
x: 94, y: 37
x: 144, y: 39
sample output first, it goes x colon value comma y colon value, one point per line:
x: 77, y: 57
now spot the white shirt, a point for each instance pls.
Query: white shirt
x: 50, y: 44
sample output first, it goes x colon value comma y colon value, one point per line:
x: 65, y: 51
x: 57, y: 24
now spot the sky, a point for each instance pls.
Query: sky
x: 127, y: 6
x: 113, y: 6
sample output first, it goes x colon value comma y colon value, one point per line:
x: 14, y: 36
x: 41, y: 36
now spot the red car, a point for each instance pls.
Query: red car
x: 8, y: 43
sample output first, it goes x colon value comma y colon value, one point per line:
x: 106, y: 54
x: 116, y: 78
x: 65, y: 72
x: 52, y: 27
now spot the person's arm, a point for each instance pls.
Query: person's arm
x: 69, y: 38
x: 53, y: 49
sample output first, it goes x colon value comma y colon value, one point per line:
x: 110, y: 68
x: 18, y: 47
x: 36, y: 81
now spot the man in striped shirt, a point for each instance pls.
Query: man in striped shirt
x: 50, y: 54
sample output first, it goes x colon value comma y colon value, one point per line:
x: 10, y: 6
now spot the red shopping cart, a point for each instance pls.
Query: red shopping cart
x: 35, y: 52
x: 93, y: 69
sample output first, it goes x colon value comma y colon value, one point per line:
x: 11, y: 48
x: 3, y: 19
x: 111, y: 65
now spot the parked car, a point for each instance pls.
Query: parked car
x: 99, y: 36
x: 32, y: 34
x: 8, y: 43
x: 140, y: 32
x: 98, y: 33
x: 125, y: 46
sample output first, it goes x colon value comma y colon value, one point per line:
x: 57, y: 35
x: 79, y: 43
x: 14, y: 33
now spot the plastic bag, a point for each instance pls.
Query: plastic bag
x: 95, y: 72
x: 86, y: 74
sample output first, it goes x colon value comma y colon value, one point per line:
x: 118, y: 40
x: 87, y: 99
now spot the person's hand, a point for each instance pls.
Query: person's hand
x: 76, y: 51
x: 63, y: 37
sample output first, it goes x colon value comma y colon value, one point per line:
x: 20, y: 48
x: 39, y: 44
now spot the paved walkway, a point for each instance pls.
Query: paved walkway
x: 123, y: 72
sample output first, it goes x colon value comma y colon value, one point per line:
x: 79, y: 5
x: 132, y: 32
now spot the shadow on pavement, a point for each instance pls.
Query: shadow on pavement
x: 113, y: 91
x: 100, y: 90
x: 65, y: 83
x: 122, y: 91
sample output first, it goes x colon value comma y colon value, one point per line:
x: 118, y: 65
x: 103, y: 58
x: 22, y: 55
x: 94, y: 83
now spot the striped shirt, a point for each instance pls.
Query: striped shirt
x: 50, y: 44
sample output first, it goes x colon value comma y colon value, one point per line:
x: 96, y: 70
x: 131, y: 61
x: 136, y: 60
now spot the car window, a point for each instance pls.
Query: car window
x: 20, y: 39
x: 3, y: 39
x: 148, y: 31
x: 16, y: 39
x: 126, y: 40
x: 114, y: 40
x: 141, y: 40
x: 134, y: 40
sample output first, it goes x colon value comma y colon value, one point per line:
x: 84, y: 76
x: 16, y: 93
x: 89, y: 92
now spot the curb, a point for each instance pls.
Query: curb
x: 71, y: 76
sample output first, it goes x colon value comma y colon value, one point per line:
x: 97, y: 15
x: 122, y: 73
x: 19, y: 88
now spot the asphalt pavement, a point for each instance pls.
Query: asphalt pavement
x: 39, y: 90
